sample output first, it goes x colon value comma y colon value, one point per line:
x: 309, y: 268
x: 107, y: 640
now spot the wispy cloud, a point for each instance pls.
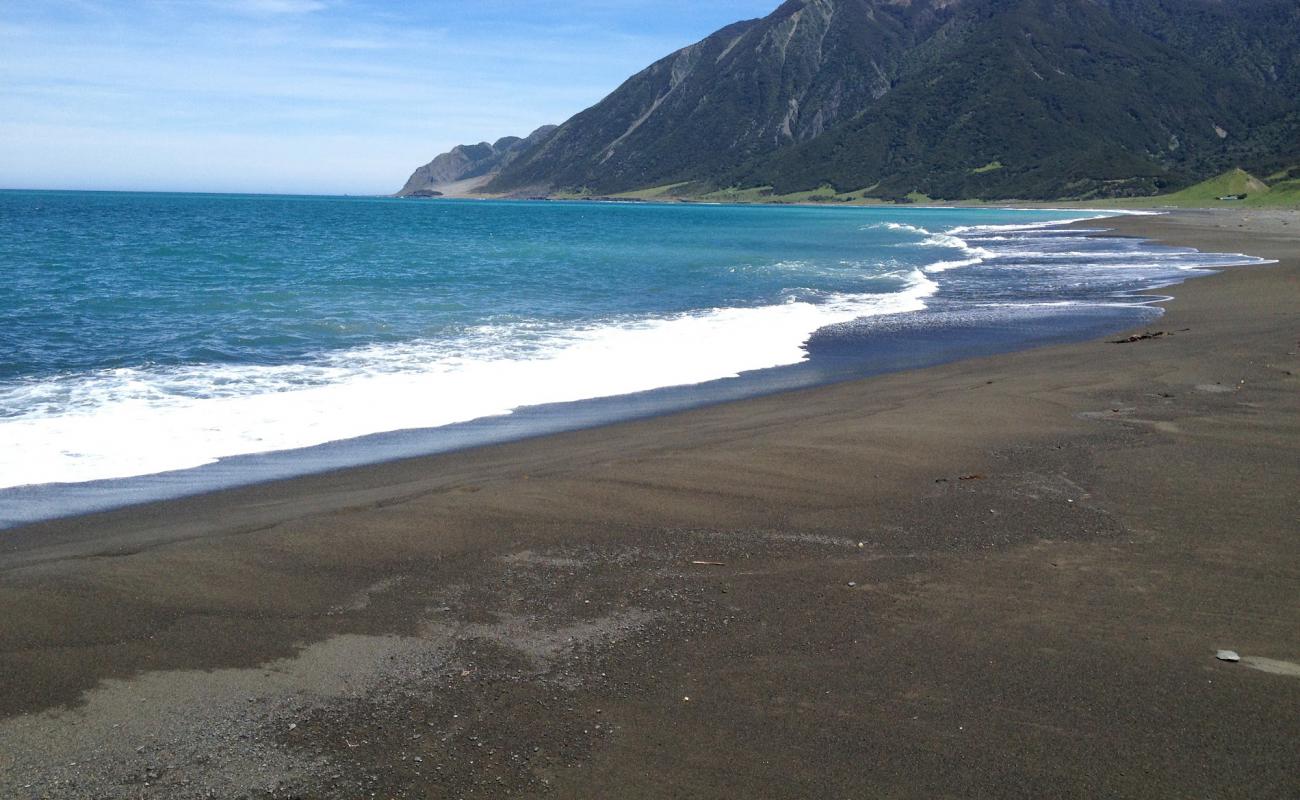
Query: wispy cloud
x: 305, y: 95
x: 272, y: 7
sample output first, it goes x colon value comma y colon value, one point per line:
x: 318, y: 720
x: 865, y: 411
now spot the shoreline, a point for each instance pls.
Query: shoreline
x: 889, y: 352
x: 870, y: 347
x: 1000, y: 575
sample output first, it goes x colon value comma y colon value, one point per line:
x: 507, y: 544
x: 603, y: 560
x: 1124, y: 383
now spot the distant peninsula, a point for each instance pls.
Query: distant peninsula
x: 915, y: 100
x: 468, y: 167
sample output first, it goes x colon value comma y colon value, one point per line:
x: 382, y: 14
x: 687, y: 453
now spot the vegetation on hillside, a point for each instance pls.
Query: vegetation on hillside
x: 1233, y: 189
x: 854, y: 100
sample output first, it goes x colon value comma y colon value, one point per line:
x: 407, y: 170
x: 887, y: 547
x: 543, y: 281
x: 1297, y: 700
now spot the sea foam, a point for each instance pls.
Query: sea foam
x: 128, y: 422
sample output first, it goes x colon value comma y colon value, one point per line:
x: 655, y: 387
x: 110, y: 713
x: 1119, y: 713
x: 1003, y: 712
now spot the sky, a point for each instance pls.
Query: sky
x: 306, y: 96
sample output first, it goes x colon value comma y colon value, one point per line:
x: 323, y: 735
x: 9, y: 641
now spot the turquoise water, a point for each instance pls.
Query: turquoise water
x: 143, y: 333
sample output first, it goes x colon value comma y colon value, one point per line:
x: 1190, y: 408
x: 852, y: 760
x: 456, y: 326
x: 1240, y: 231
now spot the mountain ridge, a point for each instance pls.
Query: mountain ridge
x: 743, y: 92
x: 950, y: 99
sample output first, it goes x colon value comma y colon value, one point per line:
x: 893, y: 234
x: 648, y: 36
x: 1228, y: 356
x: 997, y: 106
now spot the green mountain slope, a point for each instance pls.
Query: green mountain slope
x: 746, y: 91
x: 1068, y: 99
x: 947, y: 98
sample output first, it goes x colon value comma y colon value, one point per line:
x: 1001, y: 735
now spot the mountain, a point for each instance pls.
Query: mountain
x: 744, y: 92
x: 468, y: 166
x: 952, y: 99
x: 1070, y: 98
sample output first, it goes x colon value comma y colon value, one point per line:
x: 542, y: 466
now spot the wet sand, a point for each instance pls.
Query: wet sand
x: 1002, y: 577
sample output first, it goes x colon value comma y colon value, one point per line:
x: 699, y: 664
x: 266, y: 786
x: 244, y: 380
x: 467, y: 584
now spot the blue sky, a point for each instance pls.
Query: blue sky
x: 317, y: 96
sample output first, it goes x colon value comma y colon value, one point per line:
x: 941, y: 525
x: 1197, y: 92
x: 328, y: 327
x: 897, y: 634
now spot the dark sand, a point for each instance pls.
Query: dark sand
x: 1004, y: 577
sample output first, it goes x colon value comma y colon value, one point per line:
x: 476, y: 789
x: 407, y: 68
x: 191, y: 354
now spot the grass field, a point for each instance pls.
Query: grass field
x: 1281, y: 193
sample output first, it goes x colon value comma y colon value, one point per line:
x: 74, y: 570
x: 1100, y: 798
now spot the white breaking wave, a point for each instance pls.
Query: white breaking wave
x: 1092, y: 255
x: 898, y: 226
x: 955, y: 239
x: 129, y: 422
x: 944, y: 266
x: 975, y: 255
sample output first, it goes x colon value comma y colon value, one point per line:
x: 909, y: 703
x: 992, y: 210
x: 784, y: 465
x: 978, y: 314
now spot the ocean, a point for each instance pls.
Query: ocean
x: 153, y: 345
